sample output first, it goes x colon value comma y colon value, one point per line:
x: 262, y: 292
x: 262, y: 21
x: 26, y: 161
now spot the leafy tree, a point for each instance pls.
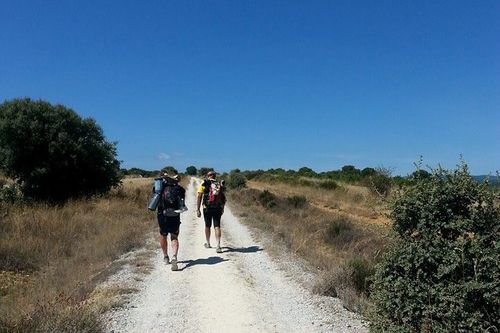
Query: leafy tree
x: 191, y: 170
x: 349, y: 169
x: 279, y: 171
x: 420, y: 174
x: 367, y: 172
x: 170, y: 170
x: 306, y: 172
x: 253, y: 174
x: 350, y: 174
x: 141, y: 172
x: 203, y: 171
x: 136, y: 171
x: 54, y: 154
x: 443, y: 273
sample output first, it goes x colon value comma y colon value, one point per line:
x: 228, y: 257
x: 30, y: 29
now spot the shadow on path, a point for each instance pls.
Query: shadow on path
x: 203, y: 261
x: 250, y: 249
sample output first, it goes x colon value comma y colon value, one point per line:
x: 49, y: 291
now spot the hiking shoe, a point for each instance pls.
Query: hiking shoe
x: 166, y: 259
x: 218, y: 250
x: 174, y: 263
x: 207, y: 246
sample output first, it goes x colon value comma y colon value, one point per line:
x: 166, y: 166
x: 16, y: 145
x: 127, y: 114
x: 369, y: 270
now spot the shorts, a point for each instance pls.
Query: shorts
x: 212, y: 215
x: 169, y: 224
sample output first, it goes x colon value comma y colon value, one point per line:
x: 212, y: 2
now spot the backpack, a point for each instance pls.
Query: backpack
x: 171, y: 195
x: 214, y: 196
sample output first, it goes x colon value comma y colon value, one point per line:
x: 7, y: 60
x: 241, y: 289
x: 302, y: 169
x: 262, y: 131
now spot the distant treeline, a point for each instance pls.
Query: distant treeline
x: 190, y: 170
x: 140, y: 172
x: 347, y: 174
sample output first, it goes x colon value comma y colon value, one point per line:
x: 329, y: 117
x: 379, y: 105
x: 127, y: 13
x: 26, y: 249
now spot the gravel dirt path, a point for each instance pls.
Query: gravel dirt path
x: 239, y: 290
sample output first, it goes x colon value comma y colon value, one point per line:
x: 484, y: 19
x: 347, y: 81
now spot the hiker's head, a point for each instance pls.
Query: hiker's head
x: 211, y: 175
x: 164, y: 175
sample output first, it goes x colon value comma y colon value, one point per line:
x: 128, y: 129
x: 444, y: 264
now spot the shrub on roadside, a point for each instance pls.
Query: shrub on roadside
x: 339, y: 282
x: 339, y: 232
x: 443, y: 274
x: 297, y: 201
x: 62, y: 314
x: 330, y: 281
x: 380, y: 183
x: 362, y: 272
x: 328, y: 185
x: 304, y: 182
x: 267, y: 199
x: 236, y: 180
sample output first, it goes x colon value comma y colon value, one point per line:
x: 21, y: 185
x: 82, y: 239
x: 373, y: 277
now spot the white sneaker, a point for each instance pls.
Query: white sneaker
x: 174, y: 263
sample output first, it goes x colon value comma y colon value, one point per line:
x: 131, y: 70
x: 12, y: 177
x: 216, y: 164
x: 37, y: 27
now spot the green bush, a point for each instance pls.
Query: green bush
x: 303, y: 182
x: 236, y: 180
x: 10, y: 193
x: 297, y: 201
x: 362, y: 272
x: 267, y: 199
x: 381, y: 182
x: 339, y: 232
x: 443, y: 273
x: 328, y: 185
x: 53, y: 153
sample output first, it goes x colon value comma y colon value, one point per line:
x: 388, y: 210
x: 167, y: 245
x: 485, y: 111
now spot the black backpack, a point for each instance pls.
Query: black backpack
x: 171, y: 194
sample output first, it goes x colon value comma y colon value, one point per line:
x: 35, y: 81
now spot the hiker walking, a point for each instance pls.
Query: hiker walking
x: 211, y: 194
x: 170, y: 205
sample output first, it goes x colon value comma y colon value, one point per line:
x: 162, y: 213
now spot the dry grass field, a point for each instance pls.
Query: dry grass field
x: 340, y: 232
x: 355, y: 201
x: 51, y: 258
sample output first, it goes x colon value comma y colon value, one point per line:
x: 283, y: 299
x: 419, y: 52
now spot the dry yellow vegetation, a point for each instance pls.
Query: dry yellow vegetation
x: 340, y: 232
x: 355, y: 201
x: 51, y: 257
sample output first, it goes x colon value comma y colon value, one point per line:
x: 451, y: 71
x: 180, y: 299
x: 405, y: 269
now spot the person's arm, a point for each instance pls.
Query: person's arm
x: 198, y: 204
x: 199, y: 198
x: 223, y: 201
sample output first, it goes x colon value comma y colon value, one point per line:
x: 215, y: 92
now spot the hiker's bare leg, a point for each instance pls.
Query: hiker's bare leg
x: 164, y: 244
x: 217, y: 235
x: 175, y: 243
x: 207, y: 235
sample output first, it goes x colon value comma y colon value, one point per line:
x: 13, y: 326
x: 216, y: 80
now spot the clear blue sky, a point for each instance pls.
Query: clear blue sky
x: 264, y: 84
